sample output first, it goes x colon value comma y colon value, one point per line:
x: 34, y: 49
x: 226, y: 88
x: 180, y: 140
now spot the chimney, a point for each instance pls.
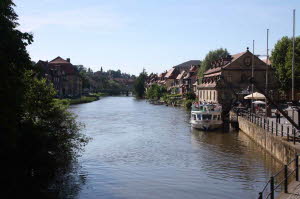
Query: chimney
x: 69, y: 60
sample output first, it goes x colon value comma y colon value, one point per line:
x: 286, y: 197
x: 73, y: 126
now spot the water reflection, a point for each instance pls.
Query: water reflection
x: 141, y: 150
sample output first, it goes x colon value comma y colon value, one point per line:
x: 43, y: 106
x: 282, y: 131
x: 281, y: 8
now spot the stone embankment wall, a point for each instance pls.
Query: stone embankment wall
x: 277, y: 146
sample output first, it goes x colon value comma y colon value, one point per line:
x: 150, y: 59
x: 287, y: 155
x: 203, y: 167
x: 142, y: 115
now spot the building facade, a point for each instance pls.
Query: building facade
x: 233, y: 73
x: 64, y: 76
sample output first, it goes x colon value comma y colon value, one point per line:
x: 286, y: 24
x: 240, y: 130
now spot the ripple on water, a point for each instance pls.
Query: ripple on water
x: 141, y: 150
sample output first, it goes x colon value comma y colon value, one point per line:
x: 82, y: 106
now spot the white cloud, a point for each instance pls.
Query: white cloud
x: 91, y: 18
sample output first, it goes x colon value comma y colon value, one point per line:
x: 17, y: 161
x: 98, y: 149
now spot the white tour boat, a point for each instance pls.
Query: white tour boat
x: 206, y: 116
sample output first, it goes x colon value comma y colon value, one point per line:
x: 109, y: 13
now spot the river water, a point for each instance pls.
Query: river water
x: 140, y: 150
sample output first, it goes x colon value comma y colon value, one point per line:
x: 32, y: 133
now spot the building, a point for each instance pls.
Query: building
x: 64, y: 76
x: 233, y: 72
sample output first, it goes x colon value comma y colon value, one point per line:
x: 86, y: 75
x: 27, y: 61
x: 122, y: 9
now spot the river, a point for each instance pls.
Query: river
x: 140, y: 150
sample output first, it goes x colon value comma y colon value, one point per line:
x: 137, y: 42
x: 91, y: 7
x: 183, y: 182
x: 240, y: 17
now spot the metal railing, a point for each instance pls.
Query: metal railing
x: 277, y: 129
x: 280, y: 179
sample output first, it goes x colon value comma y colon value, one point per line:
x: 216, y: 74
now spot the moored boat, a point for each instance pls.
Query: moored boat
x: 206, y: 116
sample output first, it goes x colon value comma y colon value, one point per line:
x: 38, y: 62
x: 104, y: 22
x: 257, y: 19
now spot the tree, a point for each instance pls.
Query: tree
x: 14, y: 60
x: 39, y: 137
x: 139, y: 84
x: 155, y: 92
x: 281, y: 59
x: 210, y: 57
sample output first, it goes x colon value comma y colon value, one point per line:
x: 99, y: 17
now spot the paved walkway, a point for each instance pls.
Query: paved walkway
x: 294, y: 191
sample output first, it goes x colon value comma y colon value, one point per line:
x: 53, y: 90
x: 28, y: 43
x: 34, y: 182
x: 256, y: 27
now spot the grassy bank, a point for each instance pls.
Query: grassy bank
x: 83, y: 99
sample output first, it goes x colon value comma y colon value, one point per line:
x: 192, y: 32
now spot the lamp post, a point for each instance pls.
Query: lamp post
x: 252, y: 76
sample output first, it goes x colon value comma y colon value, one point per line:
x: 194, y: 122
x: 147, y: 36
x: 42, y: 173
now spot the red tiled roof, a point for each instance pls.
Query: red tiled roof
x: 162, y: 75
x: 64, y: 65
x: 269, y: 61
x: 234, y: 57
x: 170, y: 72
x: 180, y: 76
x: 212, y: 75
x: 59, y: 60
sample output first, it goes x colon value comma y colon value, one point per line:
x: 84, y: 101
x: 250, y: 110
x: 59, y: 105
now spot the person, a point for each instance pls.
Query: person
x: 277, y: 114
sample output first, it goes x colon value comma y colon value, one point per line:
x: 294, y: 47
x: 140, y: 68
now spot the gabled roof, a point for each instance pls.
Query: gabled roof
x: 234, y: 58
x: 59, y: 60
x: 172, y: 73
x: 162, y: 75
x: 181, y: 75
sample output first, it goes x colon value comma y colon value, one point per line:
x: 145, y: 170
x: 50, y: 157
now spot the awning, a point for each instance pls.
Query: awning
x: 255, y: 95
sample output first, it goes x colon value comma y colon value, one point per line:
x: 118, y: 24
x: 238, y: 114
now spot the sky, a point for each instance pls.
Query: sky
x: 153, y: 34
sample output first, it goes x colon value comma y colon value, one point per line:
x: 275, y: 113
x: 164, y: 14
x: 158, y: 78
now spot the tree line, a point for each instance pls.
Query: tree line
x: 40, y: 139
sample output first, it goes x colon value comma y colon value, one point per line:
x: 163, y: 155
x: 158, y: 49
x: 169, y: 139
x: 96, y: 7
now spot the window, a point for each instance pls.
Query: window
x: 194, y: 116
x: 199, y: 116
x: 206, y: 117
x: 215, y: 117
x: 214, y: 96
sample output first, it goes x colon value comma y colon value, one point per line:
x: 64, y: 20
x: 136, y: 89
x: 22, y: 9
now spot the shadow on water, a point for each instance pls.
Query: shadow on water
x: 65, y: 183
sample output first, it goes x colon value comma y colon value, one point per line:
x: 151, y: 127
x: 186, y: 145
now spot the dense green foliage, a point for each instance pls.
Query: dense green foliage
x: 155, y: 92
x: 281, y: 59
x: 111, y: 81
x: 139, y: 85
x: 39, y: 137
x: 190, y: 96
x: 211, y: 56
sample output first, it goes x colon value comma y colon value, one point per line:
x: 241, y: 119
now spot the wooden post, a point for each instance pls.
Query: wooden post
x: 281, y: 130
x: 288, y: 133
x: 276, y: 128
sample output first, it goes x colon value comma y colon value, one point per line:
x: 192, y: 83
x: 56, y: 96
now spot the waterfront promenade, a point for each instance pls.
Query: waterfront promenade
x: 282, y: 142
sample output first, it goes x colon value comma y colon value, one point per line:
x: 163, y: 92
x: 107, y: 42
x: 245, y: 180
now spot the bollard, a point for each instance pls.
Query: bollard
x: 285, y: 179
x: 272, y: 187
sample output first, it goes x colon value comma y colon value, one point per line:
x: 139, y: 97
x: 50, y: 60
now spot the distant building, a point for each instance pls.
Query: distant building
x: 170, y: 77
x: 236, y: 71
x: 63, y: 75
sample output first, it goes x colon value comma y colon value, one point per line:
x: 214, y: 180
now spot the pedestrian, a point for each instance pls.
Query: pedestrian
x: 277, y: 114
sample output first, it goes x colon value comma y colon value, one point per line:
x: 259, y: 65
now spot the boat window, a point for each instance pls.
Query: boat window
x: 199, y: 116
x: 206, y: 117
x: 215, y: 117
x: 194, y: 116
x: 219, y: 117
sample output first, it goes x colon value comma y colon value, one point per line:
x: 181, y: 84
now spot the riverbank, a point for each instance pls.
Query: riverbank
x: 173, y: 100
x: 83, y: 99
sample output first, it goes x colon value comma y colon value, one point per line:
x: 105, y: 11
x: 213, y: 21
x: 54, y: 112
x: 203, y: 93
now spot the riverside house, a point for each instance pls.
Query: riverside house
x: 63, y: 75
x: 236, y: 70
